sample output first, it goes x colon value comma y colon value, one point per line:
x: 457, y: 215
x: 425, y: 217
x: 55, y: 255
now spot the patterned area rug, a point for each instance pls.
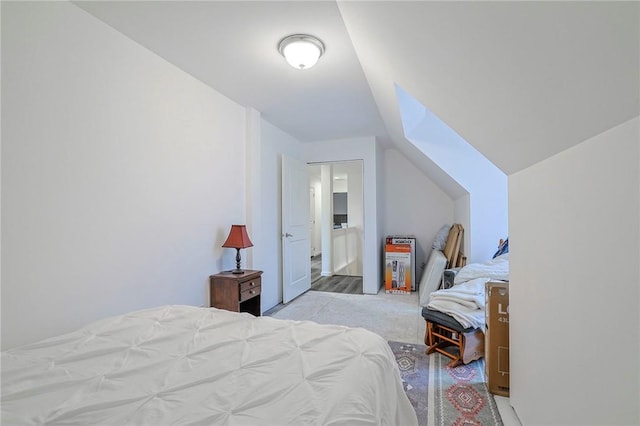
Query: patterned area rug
x: 443, y: 395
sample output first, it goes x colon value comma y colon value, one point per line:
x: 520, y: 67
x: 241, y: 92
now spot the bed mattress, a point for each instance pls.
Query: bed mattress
x: 190, y: 365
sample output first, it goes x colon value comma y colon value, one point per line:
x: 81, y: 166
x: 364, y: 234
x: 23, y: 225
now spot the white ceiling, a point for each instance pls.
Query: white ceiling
x: 520, y: 81
x: 233, y: 47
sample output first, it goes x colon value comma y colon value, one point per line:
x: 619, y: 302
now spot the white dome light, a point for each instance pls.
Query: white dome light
x: 301, y: 51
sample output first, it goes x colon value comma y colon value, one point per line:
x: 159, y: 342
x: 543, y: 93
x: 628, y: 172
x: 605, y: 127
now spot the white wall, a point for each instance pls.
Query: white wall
x: 340, y: 185
x: 326, y: 219
x: 315, y: 205
x: 254, y: 257
x: 487, y: 185
x: 358, y: 149
x: 381, y: 219
x: 462, y: 215
x: 413, y: 204
x: 316, y: 231
x: 356, y: 217
x: 354, y: 191
x: 574, y: 284
x: 117, y: 188
x: 348, y: 244
x: 273, y: 144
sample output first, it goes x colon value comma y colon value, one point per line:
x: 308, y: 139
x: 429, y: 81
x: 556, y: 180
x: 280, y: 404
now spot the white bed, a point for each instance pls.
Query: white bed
x: 189, y: 365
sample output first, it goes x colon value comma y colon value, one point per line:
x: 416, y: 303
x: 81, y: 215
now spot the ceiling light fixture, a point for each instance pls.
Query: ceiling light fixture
x: 302, y: 51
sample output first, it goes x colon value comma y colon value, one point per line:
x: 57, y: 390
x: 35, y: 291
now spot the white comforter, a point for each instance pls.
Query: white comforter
x: 494, y: 270
x: 465, y: 301
x: 188, y: 365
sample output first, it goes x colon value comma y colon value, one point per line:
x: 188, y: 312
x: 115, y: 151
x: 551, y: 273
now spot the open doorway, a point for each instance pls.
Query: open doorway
x: 336, y: 226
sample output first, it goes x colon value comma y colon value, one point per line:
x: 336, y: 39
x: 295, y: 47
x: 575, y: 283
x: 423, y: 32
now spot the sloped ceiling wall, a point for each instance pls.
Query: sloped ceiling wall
x: 520, y: 81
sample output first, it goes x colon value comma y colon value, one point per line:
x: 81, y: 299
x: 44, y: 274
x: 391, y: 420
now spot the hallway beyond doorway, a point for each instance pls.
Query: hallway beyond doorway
x: 335, y: 283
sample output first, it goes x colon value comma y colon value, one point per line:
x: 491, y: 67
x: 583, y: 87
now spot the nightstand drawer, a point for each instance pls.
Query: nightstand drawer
x: 247, y: 285
x: 250, y: 292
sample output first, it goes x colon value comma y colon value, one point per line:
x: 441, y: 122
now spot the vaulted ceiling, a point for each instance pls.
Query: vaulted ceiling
x: 520, y: 81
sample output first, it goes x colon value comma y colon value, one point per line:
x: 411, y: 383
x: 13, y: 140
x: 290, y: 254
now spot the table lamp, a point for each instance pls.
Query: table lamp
x: 238, y: 239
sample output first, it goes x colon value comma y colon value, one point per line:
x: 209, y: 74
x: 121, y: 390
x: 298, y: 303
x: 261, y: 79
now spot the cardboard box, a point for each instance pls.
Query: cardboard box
x: 397, y: 275
x: 411, y: 240
x: 497, y: 337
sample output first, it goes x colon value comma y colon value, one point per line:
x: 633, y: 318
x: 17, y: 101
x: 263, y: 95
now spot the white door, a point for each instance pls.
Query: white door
x: 296, y: 258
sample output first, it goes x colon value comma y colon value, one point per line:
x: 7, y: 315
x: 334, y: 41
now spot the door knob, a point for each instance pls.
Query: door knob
x: 288, y: 235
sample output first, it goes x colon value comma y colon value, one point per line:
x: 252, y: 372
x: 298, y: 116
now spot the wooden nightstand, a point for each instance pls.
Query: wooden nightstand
x: 236, y: 292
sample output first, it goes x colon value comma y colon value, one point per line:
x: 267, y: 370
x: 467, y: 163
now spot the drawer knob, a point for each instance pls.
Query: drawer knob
x: 252, y: 283
x: 251, y: 292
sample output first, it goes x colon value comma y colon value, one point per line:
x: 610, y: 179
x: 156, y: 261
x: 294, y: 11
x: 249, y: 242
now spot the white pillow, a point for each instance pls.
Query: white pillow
x: 432, y: 275
x: 441, y: 238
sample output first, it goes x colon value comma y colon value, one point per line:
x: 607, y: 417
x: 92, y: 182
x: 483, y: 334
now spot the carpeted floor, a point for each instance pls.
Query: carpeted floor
x: 395, y: 317
x: 442, y: 395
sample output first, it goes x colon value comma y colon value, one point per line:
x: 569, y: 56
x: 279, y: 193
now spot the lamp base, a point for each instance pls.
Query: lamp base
x: 238, y: 270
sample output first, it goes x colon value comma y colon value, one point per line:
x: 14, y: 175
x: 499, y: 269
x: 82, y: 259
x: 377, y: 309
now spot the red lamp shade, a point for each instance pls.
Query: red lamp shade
x: 238, y: 237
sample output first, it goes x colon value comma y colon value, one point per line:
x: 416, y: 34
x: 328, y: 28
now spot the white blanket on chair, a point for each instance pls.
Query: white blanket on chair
x: 495, y: 269
x: 464, y: 302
